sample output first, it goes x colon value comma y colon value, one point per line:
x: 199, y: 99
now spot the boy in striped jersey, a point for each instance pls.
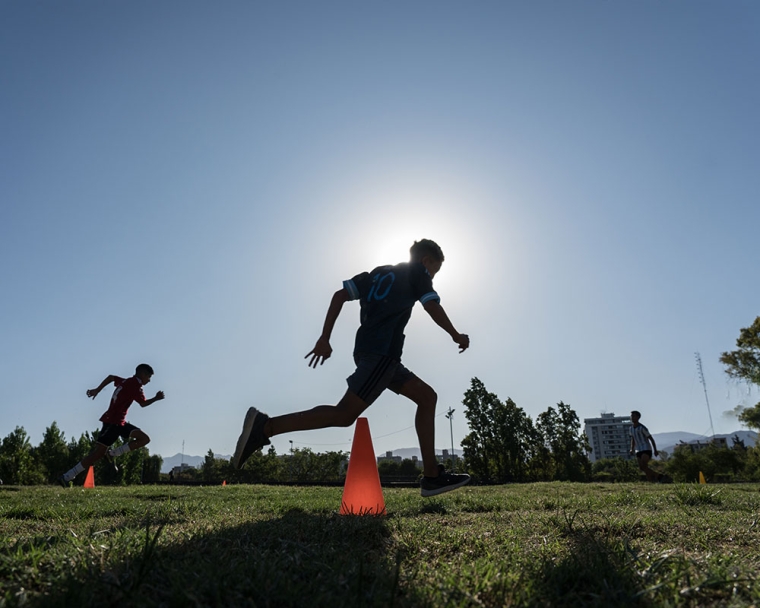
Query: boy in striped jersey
x: 641, y: 439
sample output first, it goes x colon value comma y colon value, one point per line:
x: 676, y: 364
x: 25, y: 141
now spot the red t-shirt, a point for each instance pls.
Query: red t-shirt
x: 126, y: 392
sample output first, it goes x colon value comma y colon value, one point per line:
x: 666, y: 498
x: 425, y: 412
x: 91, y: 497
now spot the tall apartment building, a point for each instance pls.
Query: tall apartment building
x: 609, y: 436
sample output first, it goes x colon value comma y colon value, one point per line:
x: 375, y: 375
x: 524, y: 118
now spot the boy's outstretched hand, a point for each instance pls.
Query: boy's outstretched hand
x: 92, y: 392
x: 159, y: 396
x: 463, y: 340
x: 320, y: 353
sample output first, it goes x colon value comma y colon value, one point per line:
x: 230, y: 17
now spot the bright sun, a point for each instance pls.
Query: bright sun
x: 392, y: 247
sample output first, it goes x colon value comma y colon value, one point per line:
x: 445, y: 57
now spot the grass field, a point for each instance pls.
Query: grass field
x: 552, y: 544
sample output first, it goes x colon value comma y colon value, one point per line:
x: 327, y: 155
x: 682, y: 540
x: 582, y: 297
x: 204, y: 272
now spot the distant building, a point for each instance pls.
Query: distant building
x: 446, y: 455
x: 609, y: 436
x: 182, y: 467
x: 389, y: 457
x: 697, y: 446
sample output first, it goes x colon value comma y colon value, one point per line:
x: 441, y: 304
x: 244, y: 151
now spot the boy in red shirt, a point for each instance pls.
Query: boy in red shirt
x: 114, y: 421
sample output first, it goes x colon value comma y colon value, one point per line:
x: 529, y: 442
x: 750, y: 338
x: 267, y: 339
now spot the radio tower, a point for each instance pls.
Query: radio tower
x: 704, y: 387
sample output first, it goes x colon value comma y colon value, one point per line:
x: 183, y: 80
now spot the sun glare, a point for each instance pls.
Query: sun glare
x: 392, y: 216
x: 392, y: 246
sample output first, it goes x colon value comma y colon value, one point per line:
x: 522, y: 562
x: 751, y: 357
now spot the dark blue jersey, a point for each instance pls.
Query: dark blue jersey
x: 387, y: 296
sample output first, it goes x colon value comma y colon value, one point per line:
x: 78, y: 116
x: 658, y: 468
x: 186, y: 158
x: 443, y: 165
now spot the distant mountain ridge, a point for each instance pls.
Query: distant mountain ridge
x: 194, y: 461
x: 665, y: 442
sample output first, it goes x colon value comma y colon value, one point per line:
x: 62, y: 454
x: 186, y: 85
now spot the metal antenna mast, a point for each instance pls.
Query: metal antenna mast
x: 704, y: 387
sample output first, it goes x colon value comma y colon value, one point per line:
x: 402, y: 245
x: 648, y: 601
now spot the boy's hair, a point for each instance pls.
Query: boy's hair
x: 636, y: 413
x: 425, y: 247
x: 144, y: 368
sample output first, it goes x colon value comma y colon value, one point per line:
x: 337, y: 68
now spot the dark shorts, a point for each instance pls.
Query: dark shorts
x: 111, y: 432
x: 375, y: 373
x: 642, y: 452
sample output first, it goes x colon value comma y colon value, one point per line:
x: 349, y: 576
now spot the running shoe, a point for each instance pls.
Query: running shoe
x: 252, y: 438
x: 445, y: 482
x: 112, y: 461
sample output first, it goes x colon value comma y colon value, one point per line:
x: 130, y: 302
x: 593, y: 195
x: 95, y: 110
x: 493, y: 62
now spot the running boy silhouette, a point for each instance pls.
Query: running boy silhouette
x: 387, y: 296
x: 114, y: 421
x: 641, y: 439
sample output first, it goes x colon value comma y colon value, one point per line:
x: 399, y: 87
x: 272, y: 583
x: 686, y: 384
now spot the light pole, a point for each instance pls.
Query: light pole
x: 450, y: 416
x: 290, y: 464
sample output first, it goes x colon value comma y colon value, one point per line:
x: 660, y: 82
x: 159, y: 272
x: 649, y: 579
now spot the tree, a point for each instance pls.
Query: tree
x: 744, y: 364
x: 261, y: 468
x: 502, y: 437
x: 560, y: 432
x: 131, y: 466
x: 306, y: 465
x: 212, y: 468
x: 52, y: 455
x: 615, y: 469
x: 17, y: 465
x: 79, y: 448
x: 152, y: 468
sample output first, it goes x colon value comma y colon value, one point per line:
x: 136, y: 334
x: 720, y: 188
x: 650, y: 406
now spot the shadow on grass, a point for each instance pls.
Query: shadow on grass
x: 298, y: 559
x: 596, y: 569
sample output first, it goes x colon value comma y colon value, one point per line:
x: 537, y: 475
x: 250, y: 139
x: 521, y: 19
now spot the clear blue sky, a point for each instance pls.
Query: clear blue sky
x: 187, y: 183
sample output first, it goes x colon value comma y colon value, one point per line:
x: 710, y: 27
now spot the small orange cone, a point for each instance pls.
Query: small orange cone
x: 89, y: 481
x: 362, y: 494
x: 701, y: 478
x: 224, y: 482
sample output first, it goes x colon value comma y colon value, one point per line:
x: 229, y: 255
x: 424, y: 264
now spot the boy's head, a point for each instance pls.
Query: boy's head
x: 635, y: 416
x: 144, y: 372
x: 428, y: 253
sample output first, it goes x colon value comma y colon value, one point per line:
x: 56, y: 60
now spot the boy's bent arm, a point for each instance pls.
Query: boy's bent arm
x: 322, y: 349
x: 436, y: 312
x: 158, y: 397
x: 93, y: 392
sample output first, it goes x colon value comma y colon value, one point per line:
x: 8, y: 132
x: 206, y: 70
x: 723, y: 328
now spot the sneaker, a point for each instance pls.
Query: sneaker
x: 112, y: 461
x: 252, y: 438
x: 63, y: 482
x: 445, y: 482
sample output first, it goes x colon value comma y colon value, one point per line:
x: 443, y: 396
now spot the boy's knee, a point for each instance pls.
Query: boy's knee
x: 346, y: 418
x: 140, y: 436
x: 428, y: 398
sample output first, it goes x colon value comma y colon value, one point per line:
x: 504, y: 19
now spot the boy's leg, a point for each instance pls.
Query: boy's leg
x: 258, y: 427
x: 644, y: 466
x: 344, y: 413
x: 435, y: 480
x: 424, y: 420
x: 135, y: 440
x: 96, y: 453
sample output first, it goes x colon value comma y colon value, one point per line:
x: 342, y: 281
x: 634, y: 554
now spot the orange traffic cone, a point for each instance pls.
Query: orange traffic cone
x: 224, y: 482
x: 702, y: 477
x: 362, y: 494
x: 89, y: 481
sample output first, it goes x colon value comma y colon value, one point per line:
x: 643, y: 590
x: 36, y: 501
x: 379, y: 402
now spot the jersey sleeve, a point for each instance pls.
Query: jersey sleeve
x: 422, y: 286
x: 355, y: 285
